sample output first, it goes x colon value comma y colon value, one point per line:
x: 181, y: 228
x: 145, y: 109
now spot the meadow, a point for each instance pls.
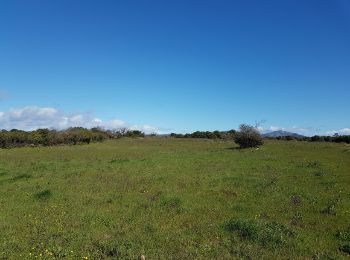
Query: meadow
x: 168, y: 198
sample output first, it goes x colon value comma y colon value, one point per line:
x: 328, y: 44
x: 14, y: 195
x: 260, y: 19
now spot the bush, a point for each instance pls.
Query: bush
x: 248, y: 136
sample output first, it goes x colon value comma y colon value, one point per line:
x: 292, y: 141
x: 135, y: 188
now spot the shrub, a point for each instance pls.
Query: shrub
x: 70, y: 136
x: 248, y: 136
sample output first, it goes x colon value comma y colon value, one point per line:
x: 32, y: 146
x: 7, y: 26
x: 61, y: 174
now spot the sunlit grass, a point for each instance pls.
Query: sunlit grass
x: 173, y: 198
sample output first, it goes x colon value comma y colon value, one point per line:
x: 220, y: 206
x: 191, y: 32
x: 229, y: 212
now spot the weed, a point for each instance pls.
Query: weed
x: 344, y: 235
x: 320, y: 173
x: 330, y: 209
x: 345, y: 249
x: 311, y: 164
x: 296, y: 200
x: 262, y: 232
x: 119, y: 161
x: 297, y: 220
x: 21, y: 176
x: 172, y: 203
x: 43, y: 195
x: 108, y: 249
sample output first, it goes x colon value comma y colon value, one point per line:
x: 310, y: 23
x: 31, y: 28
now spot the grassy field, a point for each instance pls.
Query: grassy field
x: 175, y: 199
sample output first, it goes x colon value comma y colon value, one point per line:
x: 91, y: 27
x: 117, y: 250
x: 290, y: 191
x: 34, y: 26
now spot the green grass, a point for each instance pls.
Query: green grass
x: 175, y: 199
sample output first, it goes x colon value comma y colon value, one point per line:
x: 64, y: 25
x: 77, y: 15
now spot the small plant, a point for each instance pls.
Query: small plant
x: 330, y: 209
x: 345, y: 248
x: 297, y: 220
x: 119, y: 160
x: 296, y: 200
x: 262, y: 232
x: 313, y: 164
x: 320, y: 174
x: 172, y: 203
x: 21, y: 176
x: 344, y: 235
x: 43, y: 195
x: 109, y: 249
x: 248, y: 136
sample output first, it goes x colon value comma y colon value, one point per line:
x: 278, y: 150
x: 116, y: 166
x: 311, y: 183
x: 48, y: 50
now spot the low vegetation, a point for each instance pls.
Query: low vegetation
x: 168, y: 198
x: 316, y: 138
x: 70, y: 136
x: 224, y: 135
x: 248, y: 136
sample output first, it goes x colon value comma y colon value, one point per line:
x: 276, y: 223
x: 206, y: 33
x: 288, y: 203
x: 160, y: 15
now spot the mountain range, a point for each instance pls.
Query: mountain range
x: 281, y: 133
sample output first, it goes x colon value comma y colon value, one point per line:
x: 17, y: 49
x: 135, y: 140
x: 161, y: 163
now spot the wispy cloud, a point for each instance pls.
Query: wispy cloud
x: 34, y: 117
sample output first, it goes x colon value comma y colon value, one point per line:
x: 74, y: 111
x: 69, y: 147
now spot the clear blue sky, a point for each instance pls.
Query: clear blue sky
x: 180, y: 65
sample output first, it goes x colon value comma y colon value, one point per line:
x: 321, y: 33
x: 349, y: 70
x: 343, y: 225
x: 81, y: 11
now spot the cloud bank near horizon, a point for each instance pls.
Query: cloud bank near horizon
x: 344, y: 131
x: 33, y: 117
x: 307, y: 131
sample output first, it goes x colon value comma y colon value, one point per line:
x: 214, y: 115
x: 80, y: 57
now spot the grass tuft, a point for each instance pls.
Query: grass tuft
x: 172, y: 204
x: 21, y: 176
x: 43, y: 195
x: 259, y: 231
x: 345, y: 249
x: 344, y: 235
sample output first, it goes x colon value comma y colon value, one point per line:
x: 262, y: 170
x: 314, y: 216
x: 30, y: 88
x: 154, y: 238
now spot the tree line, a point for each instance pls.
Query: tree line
x: 224, y: 135
x: 316, y: 138
x: 248, y: 133
x: 70, y: 136
x: 246, y: 136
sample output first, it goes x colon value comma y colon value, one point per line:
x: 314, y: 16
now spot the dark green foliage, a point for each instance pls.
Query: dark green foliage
x: 108, y: 249
x: 345, y: 248
x: 248, y: 136
x: 224, y: 135
x: 341, y: 139
x: 46, y: 137
x: 134, y: 133
x: 344, y: 235
x: 43, y: 195
x: 265, y: 233
x: 70, y: 136
x: 316, y: 138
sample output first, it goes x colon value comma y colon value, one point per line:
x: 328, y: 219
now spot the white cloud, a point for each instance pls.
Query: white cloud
x: 308, y: 131
x: 34, y: 117
x: 276, y: 128
x: 145, y: 128
x: 344, y: 131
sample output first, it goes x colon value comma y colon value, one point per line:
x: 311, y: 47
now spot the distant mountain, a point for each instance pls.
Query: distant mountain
x: 281, y: 133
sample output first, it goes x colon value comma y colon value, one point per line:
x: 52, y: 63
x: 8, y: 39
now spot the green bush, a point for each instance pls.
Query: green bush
x: 248, y: 136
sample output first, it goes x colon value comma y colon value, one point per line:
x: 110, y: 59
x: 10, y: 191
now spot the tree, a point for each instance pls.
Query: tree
x: 248, y: 136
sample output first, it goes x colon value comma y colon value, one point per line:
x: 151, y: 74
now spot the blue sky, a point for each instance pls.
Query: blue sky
x: 176, y: 66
